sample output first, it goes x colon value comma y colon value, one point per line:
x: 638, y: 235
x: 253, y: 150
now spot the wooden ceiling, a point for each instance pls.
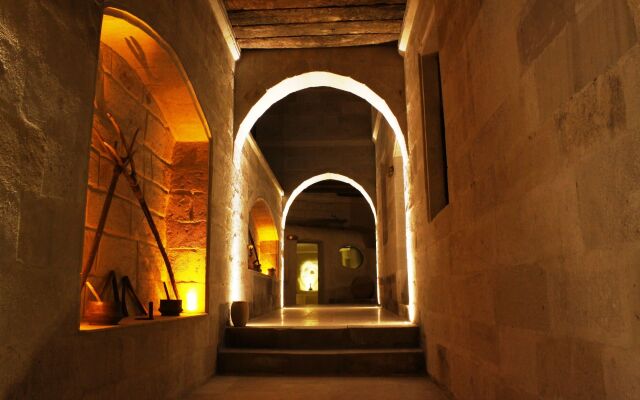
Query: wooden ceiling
x: 272, y: 24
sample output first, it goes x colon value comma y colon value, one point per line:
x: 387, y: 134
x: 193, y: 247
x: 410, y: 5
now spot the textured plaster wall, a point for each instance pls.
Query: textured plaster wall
x: 48, y: 62
x: 528, y: 284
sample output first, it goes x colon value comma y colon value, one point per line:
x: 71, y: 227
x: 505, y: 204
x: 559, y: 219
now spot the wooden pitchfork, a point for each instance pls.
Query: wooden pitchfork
x: 117, y: 171
x: 132, y: 177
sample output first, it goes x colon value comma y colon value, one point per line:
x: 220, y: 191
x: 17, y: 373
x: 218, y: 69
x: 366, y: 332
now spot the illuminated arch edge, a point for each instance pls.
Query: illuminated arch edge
x: 344, y: 83
x: 301, y: 188
x: 326, y: 177
x: 310, y: 80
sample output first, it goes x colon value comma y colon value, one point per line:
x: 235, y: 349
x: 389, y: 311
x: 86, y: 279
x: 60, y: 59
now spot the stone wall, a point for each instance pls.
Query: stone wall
x: 48, y: 64
x: 186, y: 218
x: 528, y: 285
x: 393, y: 282
x: 253, y: 182
x: 315, y: 131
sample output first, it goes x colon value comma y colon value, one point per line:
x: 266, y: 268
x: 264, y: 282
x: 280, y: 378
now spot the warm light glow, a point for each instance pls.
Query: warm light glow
x: 237, y: 265
x: 308, y: 277
x: 265, y: 267
x: 192, y: 301
x: 340, y: 82
x: 160, y: 69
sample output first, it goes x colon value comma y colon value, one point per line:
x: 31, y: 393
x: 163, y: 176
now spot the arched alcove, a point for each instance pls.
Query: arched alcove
x: 264, y: 237
x: 142, y: 89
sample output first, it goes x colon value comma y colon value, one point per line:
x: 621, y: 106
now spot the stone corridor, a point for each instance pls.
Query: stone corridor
x: 320, y: 199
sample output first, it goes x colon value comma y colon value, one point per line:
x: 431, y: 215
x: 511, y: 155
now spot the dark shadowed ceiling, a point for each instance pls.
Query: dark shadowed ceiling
x: 269, y: 24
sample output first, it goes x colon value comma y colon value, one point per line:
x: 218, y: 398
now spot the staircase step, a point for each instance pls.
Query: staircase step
x: 300, y: 338
x: 365, y: 362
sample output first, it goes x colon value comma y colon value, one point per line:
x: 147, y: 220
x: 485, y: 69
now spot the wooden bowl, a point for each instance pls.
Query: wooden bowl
x: 102, y: 313
x: 170, y: 308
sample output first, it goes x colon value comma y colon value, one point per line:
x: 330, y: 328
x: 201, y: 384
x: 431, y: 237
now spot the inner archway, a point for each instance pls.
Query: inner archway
x: 329, y: 244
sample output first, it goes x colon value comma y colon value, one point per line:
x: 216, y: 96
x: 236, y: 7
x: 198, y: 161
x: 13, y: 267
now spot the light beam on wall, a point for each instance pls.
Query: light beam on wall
x: 238, y: 245
x: 345, y: 83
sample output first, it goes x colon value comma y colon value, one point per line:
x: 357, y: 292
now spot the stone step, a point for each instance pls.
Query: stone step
x: 363, y: 362
x: 396, y: 337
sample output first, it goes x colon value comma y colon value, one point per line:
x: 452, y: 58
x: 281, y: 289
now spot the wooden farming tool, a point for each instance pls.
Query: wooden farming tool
x: 127, y: 287
x: 132, y: 178
x: 118, y: 168
x: 256, y: 262
x: 111, y: 279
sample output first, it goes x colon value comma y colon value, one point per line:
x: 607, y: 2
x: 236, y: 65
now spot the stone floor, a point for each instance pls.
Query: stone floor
x: 329, y: 316
x: 312, y: 388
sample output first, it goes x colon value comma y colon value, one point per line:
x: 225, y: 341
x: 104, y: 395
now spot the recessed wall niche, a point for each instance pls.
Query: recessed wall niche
x: 141, y: 84
x: 263, y: 240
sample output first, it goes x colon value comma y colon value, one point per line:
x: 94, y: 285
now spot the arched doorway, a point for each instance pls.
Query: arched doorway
x: 287, y: 291
x: 323, y: 259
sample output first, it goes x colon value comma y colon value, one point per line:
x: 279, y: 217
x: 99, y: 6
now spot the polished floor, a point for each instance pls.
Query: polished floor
x: 317, y: 388
x: 329, y: 316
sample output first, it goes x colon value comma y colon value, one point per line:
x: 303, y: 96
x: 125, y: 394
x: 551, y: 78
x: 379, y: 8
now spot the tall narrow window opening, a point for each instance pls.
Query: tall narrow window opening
x: 436, y: 181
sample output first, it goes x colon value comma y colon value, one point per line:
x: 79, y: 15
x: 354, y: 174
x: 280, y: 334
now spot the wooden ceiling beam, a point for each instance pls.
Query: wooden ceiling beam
x: 316, y: 15
x: 295, y: 42
x: 239, y: 5
x: 319, y: 29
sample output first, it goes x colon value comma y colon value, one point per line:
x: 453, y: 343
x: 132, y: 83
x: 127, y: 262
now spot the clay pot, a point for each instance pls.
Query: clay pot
x: 170, y: 308
x: 239, y: 313
x: 102, y: 313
